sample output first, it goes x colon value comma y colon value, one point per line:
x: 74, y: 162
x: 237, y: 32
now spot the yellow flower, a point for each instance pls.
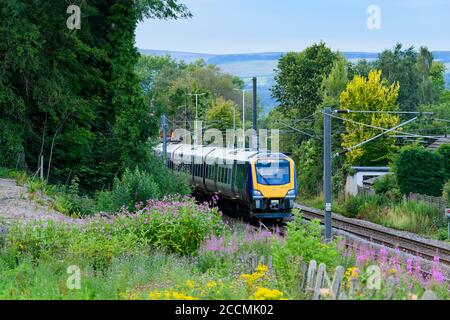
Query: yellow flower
x: 267, y: 294
x: 211, y: 284
x: 392, y: 271
x: 190, y: 284
x: 169, y: 295
x: 258, y: 274
x: 154, y: 295
x: 181, y: 296
x: 129, y: 295
x: 262, y: 268
x: 351, y: 273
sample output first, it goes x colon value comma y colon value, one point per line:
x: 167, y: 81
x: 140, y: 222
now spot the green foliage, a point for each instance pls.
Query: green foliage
x: 299, y: 78
x: 221, y: 115
x: 133, y: 187
x: 424, y: 63
x: 139, y: 185
x: 417, y: 217
x: 74, y: 97
x: 176, y: 226
x: 372, y: 93
x: 444, y: 151
x: 387, y: 185
x: 168, y: 84
x: 302, y: 241
x: 336, y: 82
x: 429, y: 125
x: 419, y: 170
x: 400, y: 66
x: 437, y: 74
x: 362, y: 68
x: 355, y: 205
x: 446, y: 192
x: 309, y: 173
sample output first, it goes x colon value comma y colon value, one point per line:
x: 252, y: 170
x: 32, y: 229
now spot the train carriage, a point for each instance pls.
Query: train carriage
x: 256, y: 184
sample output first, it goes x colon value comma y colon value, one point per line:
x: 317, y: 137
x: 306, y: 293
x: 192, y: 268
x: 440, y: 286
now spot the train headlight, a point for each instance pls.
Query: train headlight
x: 291, y: 193
x: 257, y: 193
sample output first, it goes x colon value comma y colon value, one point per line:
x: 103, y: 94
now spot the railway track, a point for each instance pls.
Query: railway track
x: 406, y: 242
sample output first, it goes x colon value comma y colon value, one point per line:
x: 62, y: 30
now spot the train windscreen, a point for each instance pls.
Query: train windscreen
x: 273, y: 172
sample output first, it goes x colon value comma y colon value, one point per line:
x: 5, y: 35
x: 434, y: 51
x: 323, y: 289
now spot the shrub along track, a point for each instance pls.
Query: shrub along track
x: 404, y: 241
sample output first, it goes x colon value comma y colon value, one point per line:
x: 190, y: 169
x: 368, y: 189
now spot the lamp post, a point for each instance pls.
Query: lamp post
x: 243, y: 114
x: 196, y: 113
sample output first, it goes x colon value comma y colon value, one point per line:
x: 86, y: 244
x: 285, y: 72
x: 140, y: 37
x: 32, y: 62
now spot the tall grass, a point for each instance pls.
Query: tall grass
x: 417, y: 217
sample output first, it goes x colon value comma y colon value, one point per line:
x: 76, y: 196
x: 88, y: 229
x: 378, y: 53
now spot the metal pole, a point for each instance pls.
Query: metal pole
x: 327, y: 181
x: 196, y: 105
x: 234, y: 117
x: 164, y: 130
x: 243, y: 116
x: 255, y: 126
x: 42, y: 167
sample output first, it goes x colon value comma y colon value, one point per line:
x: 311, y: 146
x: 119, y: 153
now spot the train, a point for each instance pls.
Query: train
x: 255, y: 184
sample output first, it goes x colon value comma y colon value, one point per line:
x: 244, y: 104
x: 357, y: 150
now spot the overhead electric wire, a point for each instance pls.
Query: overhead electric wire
x: 380, y: 128
x: 382, y: 111
x: 298, y: 130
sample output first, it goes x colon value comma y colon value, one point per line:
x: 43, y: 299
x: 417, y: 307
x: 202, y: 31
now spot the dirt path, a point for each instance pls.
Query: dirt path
x: 15, y: 205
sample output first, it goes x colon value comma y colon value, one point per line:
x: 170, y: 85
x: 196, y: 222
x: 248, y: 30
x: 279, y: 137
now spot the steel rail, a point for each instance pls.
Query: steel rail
x: 425, y: 248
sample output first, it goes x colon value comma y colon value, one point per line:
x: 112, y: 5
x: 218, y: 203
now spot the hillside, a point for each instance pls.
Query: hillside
x: 262, y: 65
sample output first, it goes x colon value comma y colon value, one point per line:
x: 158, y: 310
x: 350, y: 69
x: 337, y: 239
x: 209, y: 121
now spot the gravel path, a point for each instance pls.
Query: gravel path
x: 15, y: 205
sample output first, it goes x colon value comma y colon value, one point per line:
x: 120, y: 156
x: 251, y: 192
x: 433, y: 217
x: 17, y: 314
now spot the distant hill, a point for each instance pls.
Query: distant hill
x: 262, y: 65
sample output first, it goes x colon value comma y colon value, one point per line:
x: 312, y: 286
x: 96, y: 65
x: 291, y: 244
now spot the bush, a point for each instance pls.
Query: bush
x: 444, y: 151
x: 133, y: 187
x: 355, y: 205
x: 302, y: 241
x: 169, y: 182
x: 179, y: 226
x: 446, y: 192
x: 387, y: 186
x: 417, y: 217
x: 419, y: 170
x: 140, y: 185
x: 309, y: 170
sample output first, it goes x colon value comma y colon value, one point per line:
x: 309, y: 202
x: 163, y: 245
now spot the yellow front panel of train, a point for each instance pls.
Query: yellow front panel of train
x: 273, y: 191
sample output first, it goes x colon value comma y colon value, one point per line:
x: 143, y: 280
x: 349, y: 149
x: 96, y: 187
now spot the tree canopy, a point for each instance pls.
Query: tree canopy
x: 73, y: 95
x: 374, y: 94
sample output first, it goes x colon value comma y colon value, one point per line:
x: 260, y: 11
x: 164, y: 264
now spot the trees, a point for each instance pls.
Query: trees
x: 419, y: 170
x: 168, y: 86
x: 437, y: 79
x: 299, y: 78
x: 424, y: 63
x: 73, y: 96
x: 400, y: 66
x: 220, y: 116
x: 335, y: 82
x: 444, y: 151
x: 370, y: 93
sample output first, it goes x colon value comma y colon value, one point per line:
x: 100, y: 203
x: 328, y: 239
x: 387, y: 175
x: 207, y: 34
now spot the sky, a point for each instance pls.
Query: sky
x: 247, y: 26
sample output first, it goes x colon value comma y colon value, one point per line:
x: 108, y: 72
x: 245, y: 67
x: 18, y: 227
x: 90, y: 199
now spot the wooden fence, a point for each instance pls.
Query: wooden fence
x: 317, y: 284
x: 438, y: 202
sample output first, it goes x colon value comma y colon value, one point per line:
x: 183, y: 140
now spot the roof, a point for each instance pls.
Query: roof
x: 438, y: 142
x: 371, y: 169
x: 214, y: 154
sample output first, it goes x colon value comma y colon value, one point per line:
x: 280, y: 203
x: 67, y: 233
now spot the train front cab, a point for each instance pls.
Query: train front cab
x: 273, y: 187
